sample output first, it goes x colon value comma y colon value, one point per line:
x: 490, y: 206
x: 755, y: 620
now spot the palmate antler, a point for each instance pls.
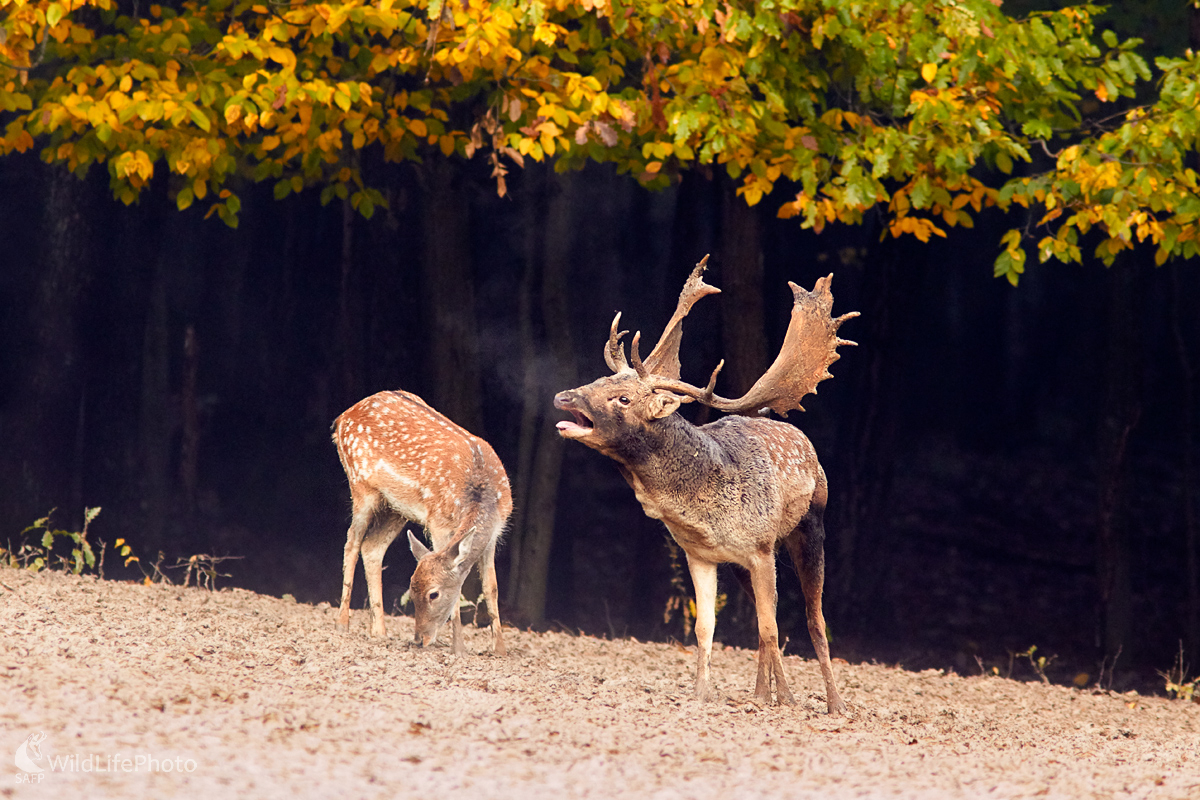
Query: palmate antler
x: 663, y: 360
x: 809, y: 348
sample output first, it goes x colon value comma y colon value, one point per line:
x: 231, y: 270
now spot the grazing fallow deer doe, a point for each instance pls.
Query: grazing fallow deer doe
x: 731, y: 490
x: 406, y: 462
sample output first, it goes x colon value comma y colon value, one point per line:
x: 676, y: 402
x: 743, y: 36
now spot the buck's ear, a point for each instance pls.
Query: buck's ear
x: 420, y: 551
x: 662, y: 404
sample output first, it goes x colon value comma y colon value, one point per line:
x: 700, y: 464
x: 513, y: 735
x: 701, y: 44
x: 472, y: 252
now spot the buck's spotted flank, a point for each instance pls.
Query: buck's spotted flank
x: 405, y: 461
x: 732, y: 490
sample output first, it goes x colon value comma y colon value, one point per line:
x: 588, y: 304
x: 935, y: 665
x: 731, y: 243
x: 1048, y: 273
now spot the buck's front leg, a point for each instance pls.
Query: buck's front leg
x: 704, y: 581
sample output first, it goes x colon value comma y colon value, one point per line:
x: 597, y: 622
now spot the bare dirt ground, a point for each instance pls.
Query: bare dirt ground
x: 242, y: 695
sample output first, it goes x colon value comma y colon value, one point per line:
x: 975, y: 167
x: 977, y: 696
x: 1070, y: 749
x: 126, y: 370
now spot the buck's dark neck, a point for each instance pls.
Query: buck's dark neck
x: 673, y: 454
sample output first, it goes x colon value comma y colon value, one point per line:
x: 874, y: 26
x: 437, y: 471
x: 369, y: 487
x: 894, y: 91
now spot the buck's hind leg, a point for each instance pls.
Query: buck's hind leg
x: 374, y: 547
x: 806, y: 545
x: 360, y: 521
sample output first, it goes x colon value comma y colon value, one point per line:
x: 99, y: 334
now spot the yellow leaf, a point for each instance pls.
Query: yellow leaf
x: 447, y: 145
x: 417, y: 127
x: 788, y: 210
x: 929, y: 72
x: 283, y: 56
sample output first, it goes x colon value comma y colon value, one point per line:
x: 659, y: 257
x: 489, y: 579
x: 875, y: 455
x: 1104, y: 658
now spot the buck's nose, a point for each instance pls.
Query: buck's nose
x: 564, y: 400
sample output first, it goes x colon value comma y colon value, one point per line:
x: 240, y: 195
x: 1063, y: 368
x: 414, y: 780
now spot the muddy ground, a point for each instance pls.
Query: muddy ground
x: 163, y: 691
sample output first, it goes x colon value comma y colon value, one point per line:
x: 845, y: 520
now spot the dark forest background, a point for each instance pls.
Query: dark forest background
x: 1009, y: 466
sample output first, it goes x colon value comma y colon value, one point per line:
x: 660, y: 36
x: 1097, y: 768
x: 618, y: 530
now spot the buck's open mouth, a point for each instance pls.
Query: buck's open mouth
x: 580, y: 423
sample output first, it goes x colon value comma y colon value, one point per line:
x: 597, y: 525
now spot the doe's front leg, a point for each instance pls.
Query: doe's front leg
x: 491, y: 591
x: 374, y: 547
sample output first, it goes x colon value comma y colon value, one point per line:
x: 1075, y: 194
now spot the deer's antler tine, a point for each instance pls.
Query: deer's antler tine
x: 663, y: 360
x: 614, y: 353
x: 636, y: 357
x: 712, y: 384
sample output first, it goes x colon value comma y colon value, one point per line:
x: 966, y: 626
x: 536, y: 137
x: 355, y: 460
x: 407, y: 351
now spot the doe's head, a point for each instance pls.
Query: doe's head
x: 437, y: 583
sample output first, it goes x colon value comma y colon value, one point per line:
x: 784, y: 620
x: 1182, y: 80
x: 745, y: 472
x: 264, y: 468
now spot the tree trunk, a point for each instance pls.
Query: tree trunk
x: 156, y: 422
x: 448, y: 294
x: 1188, y: 368
x: 1119, y: 417
x: 449, y: 299
x: 1187, y: 428
x: 42, y: 433
x: 539, y: 461
x: 349, y: 311
x: 189, y: 446
x: 743, y: 325
x: 861, y: 469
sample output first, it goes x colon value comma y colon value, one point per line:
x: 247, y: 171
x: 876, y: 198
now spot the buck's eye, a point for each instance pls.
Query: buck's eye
x: 434, y: 595
x: 623, y: 400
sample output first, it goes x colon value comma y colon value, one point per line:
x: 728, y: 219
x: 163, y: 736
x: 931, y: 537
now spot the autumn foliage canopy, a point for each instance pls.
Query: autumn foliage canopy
x: 926, y: 112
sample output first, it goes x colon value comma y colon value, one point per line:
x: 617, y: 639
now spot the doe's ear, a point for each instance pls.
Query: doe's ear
x: 662, y: 404
x: 460, y: 549
x: 420, y: 551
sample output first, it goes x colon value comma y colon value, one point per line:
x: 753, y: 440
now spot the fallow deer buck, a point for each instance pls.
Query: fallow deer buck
x: 406, y: 462
x: 731, y: 490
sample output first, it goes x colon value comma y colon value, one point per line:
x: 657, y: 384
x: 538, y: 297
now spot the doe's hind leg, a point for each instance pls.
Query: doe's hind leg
x: 360, y: 521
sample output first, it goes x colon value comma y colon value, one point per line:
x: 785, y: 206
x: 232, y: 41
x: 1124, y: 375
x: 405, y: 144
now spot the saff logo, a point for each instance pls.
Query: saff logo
x: 29, y: 754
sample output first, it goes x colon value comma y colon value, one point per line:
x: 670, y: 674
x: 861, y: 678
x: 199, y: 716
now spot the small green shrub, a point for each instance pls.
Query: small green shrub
x: 42, y: 546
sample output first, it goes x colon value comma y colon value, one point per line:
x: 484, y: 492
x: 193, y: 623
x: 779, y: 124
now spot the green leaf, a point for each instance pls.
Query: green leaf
x: 185, y: 198
x: 200, y: 119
